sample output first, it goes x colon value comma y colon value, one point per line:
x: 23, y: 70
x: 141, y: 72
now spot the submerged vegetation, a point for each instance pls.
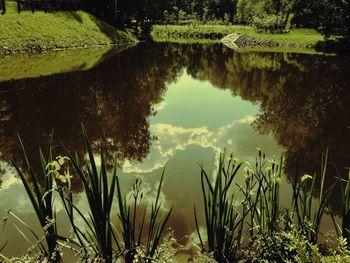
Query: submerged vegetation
x: 243, y: 222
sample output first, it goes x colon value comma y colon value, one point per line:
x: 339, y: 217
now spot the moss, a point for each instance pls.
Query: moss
x: 44, y: 31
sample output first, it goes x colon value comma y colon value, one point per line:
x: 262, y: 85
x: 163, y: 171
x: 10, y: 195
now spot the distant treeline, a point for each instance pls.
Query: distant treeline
x: 45, y: 5
x: 331, y: 17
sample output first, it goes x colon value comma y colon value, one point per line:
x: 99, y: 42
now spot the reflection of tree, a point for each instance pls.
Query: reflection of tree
x: 113, y: 100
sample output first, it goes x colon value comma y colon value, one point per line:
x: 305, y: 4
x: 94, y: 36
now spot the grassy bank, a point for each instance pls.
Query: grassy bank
x: 301, y: 37
x: 27, y: 32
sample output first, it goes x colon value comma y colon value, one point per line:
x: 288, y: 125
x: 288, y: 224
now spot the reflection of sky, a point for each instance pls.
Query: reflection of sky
x: 193, y: 124
x: 195, y: 113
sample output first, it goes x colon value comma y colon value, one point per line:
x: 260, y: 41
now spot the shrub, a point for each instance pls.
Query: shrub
x: 281, y: 247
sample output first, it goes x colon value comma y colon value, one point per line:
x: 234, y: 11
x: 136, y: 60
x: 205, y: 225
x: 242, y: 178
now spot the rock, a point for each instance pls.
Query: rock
x: 236, y: 41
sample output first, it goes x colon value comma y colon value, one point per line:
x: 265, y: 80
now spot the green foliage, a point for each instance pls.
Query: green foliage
x: 330, y: 17
x: 132, y: 231
x: 224, y: 224
x: 97, y: 237
x: 99, y: 193
x: 281, y: 247
x: 41, y: 197
x: 308, y: 214
x: 244, y: 11
x: 265, y: 15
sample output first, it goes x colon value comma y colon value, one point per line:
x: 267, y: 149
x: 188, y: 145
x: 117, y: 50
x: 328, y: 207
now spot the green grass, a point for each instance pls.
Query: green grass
x: 30, y: 32
x: 301, y: 50
x: 301, y: 37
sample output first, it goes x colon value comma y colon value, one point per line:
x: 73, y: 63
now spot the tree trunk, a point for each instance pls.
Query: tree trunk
x: 3, y: 7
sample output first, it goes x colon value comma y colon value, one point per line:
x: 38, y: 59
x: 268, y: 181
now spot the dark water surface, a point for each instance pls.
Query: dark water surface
x: 182, y: 105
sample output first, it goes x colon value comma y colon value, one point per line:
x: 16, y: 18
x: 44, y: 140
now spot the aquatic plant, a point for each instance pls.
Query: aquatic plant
x: 41, y: 197
x: 224, y: 223
x: 305, y: 207
x: 265, y: 183
x: 128, y: 215
x: 99, y: 235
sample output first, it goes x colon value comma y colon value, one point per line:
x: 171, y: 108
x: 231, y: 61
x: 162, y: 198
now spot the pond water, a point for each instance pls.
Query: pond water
x: 180, y: 105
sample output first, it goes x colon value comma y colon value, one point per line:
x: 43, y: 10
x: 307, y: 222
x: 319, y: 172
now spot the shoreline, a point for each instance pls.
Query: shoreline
x: 238, y: 41
x: 4, y: 52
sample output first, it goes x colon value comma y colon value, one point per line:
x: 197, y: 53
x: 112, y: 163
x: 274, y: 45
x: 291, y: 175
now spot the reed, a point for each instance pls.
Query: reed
x: 309, y: 211
x: 132, y: 230
x: 41, y: 197
x: 266, y: 179
x: 100, y: 234
x: 97, y: 237
x: 345, y: 194
x: 224, y: 223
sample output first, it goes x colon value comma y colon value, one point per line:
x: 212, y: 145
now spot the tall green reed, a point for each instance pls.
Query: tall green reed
x: 133, y: 226
x: 102, y: 235
x: 97, y: 237
x: 224, y: 223
x: 309, y: 211
x: 41, y: 197
x: 99, y: 234
x: 265, y: 183
x: 345, y: 194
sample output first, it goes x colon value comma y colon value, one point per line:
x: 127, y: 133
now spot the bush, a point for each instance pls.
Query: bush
x: 271, y: 23
x: 265, y: 15
x: 282, y: 247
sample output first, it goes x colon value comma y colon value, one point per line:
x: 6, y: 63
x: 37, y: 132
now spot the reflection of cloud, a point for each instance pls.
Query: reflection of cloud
x: 8, y: 177
x: 193, y: 242
x: 159, y: 106
x: 12, y: 192
x: 173, y: 138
